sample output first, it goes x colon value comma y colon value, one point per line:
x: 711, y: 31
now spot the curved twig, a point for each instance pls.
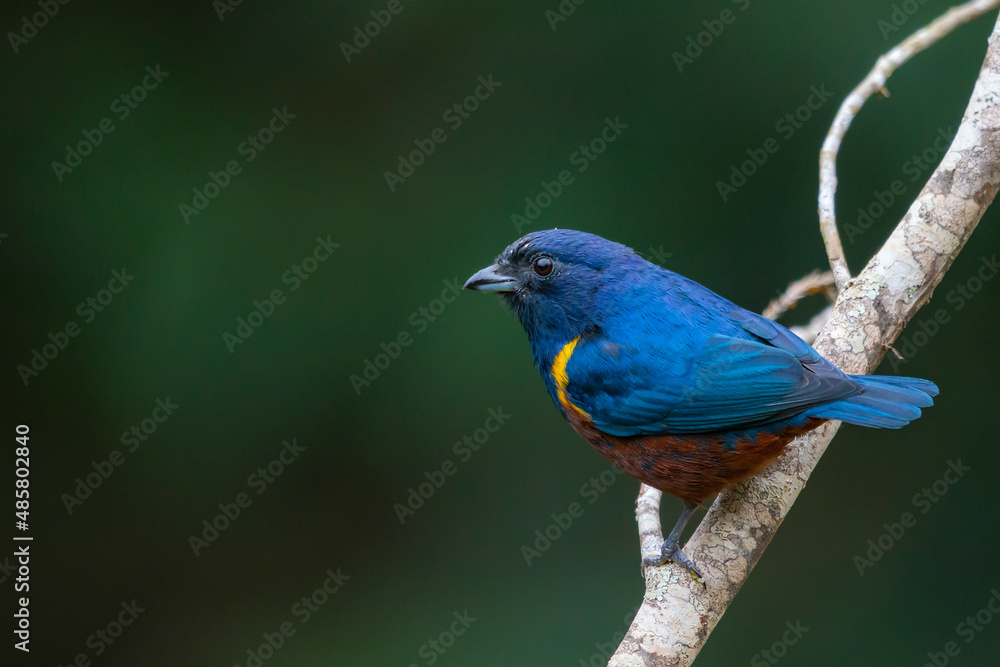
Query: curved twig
x: 870, y: 85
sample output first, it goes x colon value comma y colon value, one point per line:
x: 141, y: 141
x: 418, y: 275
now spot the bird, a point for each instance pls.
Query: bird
x: 680, y: 388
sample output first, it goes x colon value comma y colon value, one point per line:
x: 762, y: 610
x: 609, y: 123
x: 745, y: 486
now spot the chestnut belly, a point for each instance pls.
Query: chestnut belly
x: 697, y: 465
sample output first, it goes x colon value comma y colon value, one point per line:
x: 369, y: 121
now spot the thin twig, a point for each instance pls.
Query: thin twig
x: 812, y: 284
x: 647, y: 514
x: 872, y: 84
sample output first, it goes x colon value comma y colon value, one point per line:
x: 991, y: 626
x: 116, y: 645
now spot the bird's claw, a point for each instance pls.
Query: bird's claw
x: 673, y: 553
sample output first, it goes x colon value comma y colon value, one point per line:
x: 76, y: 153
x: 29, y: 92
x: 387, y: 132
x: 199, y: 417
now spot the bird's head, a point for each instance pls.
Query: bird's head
x: 555, y: 279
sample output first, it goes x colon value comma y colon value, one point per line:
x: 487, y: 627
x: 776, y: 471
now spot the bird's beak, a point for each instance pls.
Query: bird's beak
x: 491, y: 279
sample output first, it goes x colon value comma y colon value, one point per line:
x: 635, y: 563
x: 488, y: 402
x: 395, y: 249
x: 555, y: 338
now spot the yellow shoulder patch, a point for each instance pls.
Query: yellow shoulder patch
x: 560, y: 377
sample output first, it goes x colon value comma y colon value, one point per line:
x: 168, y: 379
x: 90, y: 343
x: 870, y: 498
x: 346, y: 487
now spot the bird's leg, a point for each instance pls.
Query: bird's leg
x: 671, y: 550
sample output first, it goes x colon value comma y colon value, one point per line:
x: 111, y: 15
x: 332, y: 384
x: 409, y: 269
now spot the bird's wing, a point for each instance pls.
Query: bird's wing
x: 722, y: 383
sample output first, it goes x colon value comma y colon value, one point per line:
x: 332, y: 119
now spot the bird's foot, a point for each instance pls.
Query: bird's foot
x: 673, y: 553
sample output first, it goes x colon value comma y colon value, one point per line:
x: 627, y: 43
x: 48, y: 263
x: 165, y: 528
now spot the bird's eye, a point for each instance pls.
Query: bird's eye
x: 543, y: 266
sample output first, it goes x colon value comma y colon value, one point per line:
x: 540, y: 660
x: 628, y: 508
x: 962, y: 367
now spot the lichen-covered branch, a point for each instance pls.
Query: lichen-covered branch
x: 677, y: 614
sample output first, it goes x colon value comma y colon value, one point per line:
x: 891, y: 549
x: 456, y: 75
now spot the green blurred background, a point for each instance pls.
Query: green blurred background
x: 654, y: 189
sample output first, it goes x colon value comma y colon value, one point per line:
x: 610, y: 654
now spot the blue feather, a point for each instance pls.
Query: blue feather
x: 656, y: 353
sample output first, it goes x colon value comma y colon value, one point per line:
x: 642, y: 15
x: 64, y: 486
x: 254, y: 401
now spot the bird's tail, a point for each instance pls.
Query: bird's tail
x: 884, y: 402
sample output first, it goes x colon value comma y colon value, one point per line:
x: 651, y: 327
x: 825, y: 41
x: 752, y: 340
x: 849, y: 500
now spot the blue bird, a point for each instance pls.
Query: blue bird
x: 682, y: 389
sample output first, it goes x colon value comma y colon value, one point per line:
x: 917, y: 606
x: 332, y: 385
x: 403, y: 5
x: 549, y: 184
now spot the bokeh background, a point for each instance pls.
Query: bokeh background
x: 654, y: 188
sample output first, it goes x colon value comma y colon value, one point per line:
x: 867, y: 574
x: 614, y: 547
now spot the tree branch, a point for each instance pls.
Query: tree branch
x: 871, y: 84
x: 677, y: 614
